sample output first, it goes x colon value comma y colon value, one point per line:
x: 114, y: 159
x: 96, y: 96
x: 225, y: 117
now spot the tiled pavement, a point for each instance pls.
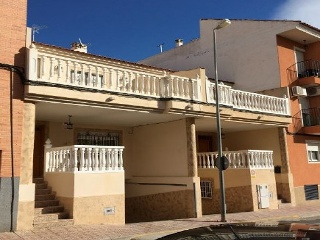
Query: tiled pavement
x: 143, y: 229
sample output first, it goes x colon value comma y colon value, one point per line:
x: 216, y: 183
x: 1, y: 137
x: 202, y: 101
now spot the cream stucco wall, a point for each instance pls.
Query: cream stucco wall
x: 160, y: 150
x: 86, y: 196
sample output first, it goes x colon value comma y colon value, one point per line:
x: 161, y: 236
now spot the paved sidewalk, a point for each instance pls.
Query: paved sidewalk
x: 142, y: 230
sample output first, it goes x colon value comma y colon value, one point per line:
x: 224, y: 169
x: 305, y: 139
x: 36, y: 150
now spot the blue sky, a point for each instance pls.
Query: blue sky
x: 132, y: 29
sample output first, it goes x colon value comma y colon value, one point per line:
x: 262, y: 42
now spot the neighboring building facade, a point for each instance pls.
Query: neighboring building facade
x: 12, y: 61
x: 267, y: 56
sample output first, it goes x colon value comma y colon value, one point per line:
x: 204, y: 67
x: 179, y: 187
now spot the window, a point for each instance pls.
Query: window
x: 311, y: 192
x: 313, y: 151
x: 206, y: 189
x: 98, y: 138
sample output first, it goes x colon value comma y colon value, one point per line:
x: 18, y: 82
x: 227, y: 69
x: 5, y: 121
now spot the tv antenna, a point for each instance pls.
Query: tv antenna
x: 161, y: 47
x: 36, y: 29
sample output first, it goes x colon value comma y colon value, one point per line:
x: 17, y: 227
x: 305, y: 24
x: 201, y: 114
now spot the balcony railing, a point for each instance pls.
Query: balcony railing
x: 252, y: 159
x: 106, y: 75
x: 308, y: 68
x: 64, y: 68
x: 83, y: 158
x: 249, y: 101
x: 306, y: 118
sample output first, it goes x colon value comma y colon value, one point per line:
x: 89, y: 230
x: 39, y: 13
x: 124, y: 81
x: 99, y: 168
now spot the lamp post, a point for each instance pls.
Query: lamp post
x: 222, y: 24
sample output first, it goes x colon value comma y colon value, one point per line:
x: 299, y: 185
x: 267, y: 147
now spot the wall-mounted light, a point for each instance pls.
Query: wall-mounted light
x: 68, y: 124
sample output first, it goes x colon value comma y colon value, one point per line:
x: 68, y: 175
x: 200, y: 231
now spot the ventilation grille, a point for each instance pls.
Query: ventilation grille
x: 311, y: 192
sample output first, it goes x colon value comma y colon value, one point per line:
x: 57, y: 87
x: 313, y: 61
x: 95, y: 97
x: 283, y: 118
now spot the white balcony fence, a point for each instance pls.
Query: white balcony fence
x: 252, y: 159
x: 83, y: 158
x: 58, y: 67
x: 76, y: 71
x: 248, y: 101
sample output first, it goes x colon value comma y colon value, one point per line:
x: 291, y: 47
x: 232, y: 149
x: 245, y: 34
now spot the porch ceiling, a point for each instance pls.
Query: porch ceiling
x: 99, y: 116
x: 89, y: 115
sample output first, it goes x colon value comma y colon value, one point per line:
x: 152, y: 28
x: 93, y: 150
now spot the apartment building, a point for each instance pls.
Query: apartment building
x: 267, y: 56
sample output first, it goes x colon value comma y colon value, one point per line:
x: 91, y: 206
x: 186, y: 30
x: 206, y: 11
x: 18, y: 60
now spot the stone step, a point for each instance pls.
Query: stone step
x: 38, y: 180
x: 43, y: 191
x: 50, y: 209
x: 46, y: 203
x: 43, y: 197
x: 50, y: 217
x: 42, y: 185
x: 59, y: 223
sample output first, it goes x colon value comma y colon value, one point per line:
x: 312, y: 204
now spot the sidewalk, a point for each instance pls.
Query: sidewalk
x: 142, y: 230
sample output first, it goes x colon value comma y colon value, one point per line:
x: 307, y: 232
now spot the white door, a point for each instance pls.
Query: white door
x: 263, y: 195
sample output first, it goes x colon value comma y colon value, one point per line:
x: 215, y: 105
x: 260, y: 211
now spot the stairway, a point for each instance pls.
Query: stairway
x: 48, y: 211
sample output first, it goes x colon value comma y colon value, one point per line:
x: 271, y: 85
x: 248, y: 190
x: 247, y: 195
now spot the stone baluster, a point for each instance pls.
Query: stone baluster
x: 52, y: 67
x: 74, y: 159
x: 148, y: 84
x: 188, y: 82
x: 89, y: 161
x: 89, y: 80
x: 136, y: 83
x: 103, y: 159
x: 59, y: 69
x: 95, y: 165
x: 83, y: 75
x: 120, y: 160
x: 117, y: 80
x: 109, y: 160
x: 83, y: 163
x: 111, y: 79
x: 74, y: 78
x: 104, y: 78
x: 97, y: 82
x: 68, y: 63
x: 48, y: 156
x: 130, y: 83
x: 43, y: 67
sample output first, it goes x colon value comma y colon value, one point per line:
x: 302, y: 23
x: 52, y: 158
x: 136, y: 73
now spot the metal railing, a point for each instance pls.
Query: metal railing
x: 307, y: 68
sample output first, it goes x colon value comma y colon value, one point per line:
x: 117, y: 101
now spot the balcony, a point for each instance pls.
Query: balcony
x: 307, y: 121
x: 50, y: 66
x: 245, y: 159
x: 83, y: 158
x: 305, y: 73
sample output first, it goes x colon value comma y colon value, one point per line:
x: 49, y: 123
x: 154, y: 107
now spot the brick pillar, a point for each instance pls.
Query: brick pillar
x: 12, y: 42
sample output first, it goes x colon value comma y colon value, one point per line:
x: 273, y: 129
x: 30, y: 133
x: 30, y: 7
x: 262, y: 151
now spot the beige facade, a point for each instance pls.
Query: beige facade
x: 131, y: 149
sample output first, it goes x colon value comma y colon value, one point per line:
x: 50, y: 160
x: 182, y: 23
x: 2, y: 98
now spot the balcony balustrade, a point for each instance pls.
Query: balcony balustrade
x: 252, y: 159
x: 63, y: 68
x: 79, y: 71
x: 249, y: 101
x: 83, y: 158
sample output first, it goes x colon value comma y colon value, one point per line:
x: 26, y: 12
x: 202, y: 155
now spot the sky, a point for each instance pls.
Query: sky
x: 132, y: 30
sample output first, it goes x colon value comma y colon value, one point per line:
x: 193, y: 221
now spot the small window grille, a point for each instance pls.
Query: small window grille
x: 311, y: 192
x: 206, y: 189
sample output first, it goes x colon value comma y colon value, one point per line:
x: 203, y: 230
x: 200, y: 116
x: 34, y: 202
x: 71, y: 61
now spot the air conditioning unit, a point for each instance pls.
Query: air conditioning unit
x: 299, y: 91
x: 313, y: 91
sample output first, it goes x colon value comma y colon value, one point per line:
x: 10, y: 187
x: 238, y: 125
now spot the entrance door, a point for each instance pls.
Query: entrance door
x: 38, y: 152
x: 205, y: 143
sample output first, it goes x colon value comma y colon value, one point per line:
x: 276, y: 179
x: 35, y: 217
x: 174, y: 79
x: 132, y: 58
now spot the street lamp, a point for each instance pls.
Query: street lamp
x: 222, y: 24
